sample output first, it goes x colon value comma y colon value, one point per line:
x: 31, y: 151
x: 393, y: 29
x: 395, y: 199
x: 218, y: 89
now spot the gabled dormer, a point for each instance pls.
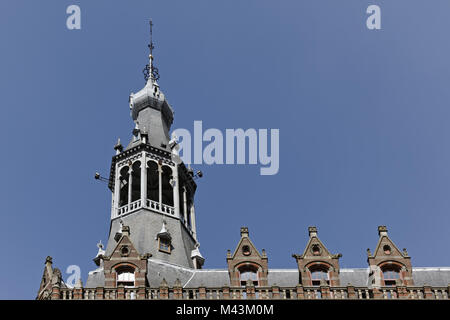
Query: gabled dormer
x: 246, y: 264
x: 125, y: 266
x: 317, y: 265
x: 389, y: 266
x: 50, y: 278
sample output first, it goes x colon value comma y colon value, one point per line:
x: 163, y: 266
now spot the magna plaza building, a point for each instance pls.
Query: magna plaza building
x: 153, y: 252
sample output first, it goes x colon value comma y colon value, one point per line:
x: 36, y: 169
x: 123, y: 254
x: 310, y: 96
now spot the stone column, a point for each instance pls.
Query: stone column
x: 112, y: 206
x: 130, y: 183
x: 185, y: 206
x: 115, y: 209
x: 176, y: 193
x: 194, y: 229
x: 143, y: 180
x: 160, y: 185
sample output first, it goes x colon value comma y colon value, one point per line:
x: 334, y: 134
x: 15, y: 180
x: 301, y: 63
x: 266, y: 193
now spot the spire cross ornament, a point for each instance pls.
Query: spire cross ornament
x: 150, y: 71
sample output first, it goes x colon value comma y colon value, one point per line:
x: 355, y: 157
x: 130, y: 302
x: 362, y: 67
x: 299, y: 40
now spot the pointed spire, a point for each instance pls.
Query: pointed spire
x: 163, y: 283
x: 151, y: 73
x: 79, y: 284
x: 118, y: 147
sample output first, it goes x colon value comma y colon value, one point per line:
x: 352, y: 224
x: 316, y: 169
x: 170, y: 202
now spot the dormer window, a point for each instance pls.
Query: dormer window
x: 164, y: 239
x: 248, y: 273
x: 319, y: 275
x: 125, y: 277
x: 391, y: 275
x: 164, y: 245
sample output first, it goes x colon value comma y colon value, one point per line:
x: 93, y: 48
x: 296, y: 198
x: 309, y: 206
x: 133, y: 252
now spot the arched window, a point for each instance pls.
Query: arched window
x: 167, y: 191
x: 318, y: 275
x: 136, y: 181
x: 390, y: 275
x: 123, y: 176
x: 248, y: 273
x: 125, y: 276
x: 152, y: 181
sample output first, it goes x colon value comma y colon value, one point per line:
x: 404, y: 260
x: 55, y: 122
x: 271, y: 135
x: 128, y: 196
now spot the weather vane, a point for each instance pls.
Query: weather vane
x: 150, y: 70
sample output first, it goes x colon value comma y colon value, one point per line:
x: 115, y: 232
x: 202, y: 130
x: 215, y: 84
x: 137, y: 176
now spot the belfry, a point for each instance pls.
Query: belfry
x: 153, y: 252
x: 152, y: 190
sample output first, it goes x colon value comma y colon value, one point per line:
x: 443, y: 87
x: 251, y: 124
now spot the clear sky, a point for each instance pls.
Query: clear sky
x: 363, y: 118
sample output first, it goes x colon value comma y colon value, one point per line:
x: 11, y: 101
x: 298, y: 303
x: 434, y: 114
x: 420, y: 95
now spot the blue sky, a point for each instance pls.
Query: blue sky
x: 363, y: 118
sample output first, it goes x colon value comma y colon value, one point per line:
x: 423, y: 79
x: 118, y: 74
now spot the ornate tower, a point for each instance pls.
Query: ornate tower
x: 152, y: 190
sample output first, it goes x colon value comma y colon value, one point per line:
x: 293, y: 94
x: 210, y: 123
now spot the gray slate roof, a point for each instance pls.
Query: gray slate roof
x: 439, y: 277
x: 95, y: 279
x: 217, y: 278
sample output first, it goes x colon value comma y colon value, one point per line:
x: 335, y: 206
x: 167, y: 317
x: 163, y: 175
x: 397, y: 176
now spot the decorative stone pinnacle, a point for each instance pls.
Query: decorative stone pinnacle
x: 118, y: 147
x: 163, y: 283
x: 126, y: 230
x: 382, y: 231
x: 244, y: 232
x: 312, y: 231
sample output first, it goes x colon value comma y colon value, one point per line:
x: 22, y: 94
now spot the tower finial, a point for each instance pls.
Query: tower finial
x: 150, y: 71
x: 151, y: 46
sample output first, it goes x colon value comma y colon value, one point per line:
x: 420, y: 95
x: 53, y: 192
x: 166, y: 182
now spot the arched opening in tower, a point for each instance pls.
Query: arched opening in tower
x: 167, y: 190
x: 124, y: 180
x: 136, y: 181
x: 152, y: 181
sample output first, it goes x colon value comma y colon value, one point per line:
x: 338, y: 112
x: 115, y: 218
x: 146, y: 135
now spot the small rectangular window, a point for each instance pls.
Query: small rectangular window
x: 164, y: 245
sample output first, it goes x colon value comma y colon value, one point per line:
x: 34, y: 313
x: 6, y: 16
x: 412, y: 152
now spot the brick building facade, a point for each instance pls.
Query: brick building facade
x: 153, y: 252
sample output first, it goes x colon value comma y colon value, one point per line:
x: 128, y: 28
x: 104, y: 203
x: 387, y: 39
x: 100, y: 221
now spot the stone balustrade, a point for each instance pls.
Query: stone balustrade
x: 149, y: 204
x: 254, y: 293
